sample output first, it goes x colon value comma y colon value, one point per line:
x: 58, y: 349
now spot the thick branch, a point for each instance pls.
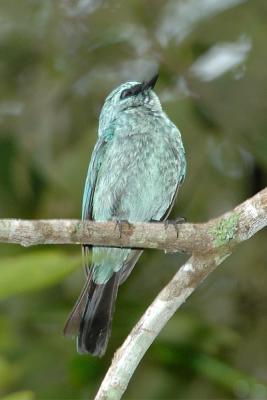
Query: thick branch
x: 231, y: 228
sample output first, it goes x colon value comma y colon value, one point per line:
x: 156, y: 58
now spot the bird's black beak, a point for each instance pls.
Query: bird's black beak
x: 151, y: 83
x: 140, y: 87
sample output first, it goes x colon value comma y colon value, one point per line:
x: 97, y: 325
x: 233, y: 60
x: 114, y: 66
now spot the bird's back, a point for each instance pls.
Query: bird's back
x: 140, y: 171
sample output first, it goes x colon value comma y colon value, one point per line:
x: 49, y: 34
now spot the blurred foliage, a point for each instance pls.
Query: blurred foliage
x: 58, y: 61
x: 42, y: 269
x: 25, y: 395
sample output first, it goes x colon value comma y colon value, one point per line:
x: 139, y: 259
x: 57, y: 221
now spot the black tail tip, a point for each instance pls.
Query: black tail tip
x: 94, y: 349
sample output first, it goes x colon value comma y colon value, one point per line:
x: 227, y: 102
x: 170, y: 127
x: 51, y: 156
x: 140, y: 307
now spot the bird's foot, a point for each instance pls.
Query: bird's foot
x: 175, y: 223
x: 119, y: 224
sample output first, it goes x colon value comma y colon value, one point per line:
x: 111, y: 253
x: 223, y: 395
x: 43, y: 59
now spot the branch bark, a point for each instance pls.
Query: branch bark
x: 227, y: 230
x: 209, y: 243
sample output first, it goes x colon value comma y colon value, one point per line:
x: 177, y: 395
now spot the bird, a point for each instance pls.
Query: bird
x: 136, y: 169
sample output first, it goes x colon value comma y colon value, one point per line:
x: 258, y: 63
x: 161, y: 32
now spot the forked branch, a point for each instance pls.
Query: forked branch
x: 209, y: 243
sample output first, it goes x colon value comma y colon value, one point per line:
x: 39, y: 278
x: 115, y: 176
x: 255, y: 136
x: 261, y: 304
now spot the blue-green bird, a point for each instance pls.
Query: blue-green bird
x: 136, y: 169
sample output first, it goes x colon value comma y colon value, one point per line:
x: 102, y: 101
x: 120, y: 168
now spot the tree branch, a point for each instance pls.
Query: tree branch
x: 209, y: 243
x: 129, y: 355
x: 227, y: 230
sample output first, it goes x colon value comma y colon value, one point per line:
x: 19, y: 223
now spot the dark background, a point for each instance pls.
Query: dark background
x: 58, y: 61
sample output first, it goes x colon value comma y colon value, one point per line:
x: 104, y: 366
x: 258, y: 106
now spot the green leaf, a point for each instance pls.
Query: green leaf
x: 34, y: 271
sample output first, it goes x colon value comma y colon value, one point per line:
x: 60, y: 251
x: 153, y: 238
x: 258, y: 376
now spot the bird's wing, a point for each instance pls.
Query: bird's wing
x: 129, y: 265
x: 89, y: 188
x: 179, y: 154
x: 73, y: 322
x: 93, y: 169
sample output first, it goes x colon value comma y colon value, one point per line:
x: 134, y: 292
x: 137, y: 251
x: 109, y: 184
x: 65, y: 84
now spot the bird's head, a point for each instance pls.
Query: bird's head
x: 128, y: 96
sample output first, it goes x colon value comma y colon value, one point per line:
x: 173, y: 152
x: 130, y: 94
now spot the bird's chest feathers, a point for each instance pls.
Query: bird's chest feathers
x: 139, y: 172
x: 136, y: 149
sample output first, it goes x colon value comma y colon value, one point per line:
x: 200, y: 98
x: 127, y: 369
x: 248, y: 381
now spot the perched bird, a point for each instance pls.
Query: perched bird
x: 136, y: 169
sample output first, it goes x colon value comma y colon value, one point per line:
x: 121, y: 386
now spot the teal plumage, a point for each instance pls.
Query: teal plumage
x: 136, y: 168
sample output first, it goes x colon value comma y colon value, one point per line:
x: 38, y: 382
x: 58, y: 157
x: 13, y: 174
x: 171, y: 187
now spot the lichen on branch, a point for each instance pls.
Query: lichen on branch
x: 225, y: 230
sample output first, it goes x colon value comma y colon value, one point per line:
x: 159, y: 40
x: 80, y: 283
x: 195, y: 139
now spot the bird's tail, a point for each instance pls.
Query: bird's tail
x: 95, y: 326
x: 94, y: 322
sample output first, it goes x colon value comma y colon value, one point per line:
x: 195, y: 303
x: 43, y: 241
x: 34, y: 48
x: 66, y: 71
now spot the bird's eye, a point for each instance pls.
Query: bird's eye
x: 126, y: 93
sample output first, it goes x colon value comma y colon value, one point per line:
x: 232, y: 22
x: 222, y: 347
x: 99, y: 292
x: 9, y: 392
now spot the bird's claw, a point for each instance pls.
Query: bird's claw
x: 119, y: 225
x: 175, y: 222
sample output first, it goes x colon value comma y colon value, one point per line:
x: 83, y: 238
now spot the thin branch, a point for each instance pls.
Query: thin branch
x: 252, y: 217
x: 227, y: 230
x: 129, y: 355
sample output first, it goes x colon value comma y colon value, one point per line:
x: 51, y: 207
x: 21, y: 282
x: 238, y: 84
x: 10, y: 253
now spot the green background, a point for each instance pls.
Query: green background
x: 58, y: 61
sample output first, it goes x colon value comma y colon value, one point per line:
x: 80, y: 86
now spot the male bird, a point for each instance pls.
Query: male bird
x: 136, y: 169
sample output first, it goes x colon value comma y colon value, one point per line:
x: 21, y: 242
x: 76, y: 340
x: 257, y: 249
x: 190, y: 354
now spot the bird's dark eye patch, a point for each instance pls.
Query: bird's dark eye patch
x: 126, y: 93
x: 133, y: 91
